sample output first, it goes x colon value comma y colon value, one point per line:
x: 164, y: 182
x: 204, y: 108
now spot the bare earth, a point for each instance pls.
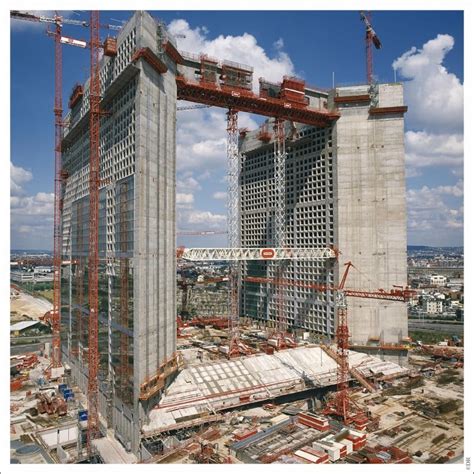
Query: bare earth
x: 29, y: 305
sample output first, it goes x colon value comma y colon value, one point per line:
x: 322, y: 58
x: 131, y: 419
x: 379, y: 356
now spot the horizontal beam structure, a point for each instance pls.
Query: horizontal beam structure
x: 151, y: 58
x: 246, y: 101
x: 400, y: 109
x: 393, y: 295
x: 351, y: 98
x: 212, y: 254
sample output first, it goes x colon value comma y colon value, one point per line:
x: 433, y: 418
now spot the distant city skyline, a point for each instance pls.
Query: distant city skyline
x: 428, y: 56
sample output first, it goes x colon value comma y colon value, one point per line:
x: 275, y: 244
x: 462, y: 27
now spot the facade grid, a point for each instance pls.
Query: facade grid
x: 309, y: 223
x: 137, y: 308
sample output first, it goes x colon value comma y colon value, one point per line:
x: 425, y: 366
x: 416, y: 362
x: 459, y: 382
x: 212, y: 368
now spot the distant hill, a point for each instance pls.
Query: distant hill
x: 427, y: 247
x: 31, y: 251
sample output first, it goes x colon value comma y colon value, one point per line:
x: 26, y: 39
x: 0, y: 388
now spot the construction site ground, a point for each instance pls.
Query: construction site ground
x: 420, y: 410
x: 24, y: 306
x: 423, y: 416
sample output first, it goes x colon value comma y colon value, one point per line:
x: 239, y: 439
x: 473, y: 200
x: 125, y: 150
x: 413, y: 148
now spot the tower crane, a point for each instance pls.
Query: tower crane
x: 58, y: 22
x: 341, y: 405
x: 192, y: 107
x: 237, y: 254
x: 370, y: 38
x: 59, y: 176
x: 94, y: 123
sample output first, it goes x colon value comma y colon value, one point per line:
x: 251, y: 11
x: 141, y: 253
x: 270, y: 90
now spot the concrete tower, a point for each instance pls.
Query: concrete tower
x: 345, y: 186
x: 137, y: 309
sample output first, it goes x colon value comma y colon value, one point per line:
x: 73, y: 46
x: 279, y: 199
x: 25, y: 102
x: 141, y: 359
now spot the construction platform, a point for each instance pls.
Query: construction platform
x: 202, y: 390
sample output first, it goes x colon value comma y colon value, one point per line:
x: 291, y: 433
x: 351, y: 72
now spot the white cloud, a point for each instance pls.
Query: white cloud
x: 434, y: 95
x: 31, y: 221
x: 18, y: 177
x: 197, y: 219
x: 431, y: 220
x: 431, y: 149
x: 186, y: 182
x: 184, y: 200
x: 201, y: 140
x: 279, y: 43
x: 457, y: 190
x: 206, y: 217
x: 204, y: 175
x: 242, y: 49
x: 412, y: 172
x: 201, y: 133
x: 42, y: 204
x: 220, y: 195
x: 209, y: 149
x: 435, y: 142
x: 31, y: 217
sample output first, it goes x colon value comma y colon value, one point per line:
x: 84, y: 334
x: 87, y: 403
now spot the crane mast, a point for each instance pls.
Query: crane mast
x: 94, y: 168
x: 59, y: 175
x: 370, y: 38
x: 57, y: 233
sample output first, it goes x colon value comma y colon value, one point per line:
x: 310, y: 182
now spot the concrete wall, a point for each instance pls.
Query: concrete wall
x: 371, y: 210
x: 154, y: 253
x: 309, y: 223
x: 155, y: 199
x: 363, y: 181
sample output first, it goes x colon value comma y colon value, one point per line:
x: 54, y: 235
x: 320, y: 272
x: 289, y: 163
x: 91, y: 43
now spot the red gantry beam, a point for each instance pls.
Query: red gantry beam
x: 246, y: 101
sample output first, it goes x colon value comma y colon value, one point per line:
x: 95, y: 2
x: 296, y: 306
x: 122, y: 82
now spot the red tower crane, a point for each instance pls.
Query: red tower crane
x: 59, y: 176
x: 370, y: 38
x: 94, y: 123
x: 341, y: 405
x: 94, y: 168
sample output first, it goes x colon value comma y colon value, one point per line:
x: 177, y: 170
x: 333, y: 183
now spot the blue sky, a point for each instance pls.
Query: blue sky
x: 312, y: 45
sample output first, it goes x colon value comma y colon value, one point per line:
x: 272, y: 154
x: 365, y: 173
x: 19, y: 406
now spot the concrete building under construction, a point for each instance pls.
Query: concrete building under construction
x: 345, y: 187
x: 137, y: 277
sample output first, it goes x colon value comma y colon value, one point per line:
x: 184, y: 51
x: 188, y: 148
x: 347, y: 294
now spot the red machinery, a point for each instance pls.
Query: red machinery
x: 370, y: 38
x: 94, y: 180
x: 340, y: 406
x: 51, y: 405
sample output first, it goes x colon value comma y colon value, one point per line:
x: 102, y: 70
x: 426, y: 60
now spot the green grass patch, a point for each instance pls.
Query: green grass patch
x: 427, y: 337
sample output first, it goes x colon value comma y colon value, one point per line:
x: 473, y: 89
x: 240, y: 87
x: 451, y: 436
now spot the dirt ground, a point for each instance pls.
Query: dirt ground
x: 25, y: 304
x: 428, y: 422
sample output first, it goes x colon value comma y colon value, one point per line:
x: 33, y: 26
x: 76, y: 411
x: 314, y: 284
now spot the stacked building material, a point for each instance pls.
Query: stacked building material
x: 244, y: 434
x: 53, y: 405
x: 338, y: 446
x: 331, y: 448
x: 312, y: 455
x: 358, y: 439
x: 317, y: 422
